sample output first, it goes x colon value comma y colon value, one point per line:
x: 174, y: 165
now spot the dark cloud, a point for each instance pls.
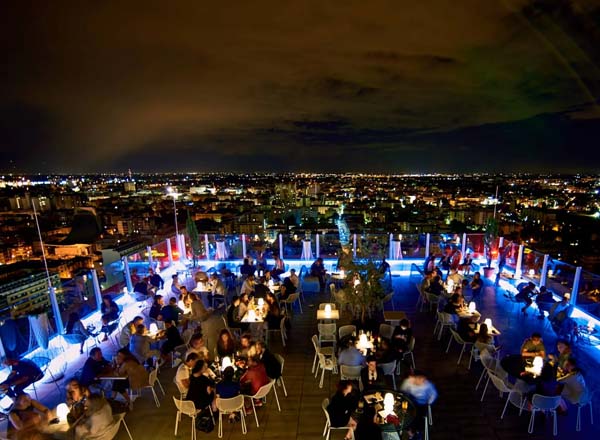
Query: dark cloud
x: 272, y: 85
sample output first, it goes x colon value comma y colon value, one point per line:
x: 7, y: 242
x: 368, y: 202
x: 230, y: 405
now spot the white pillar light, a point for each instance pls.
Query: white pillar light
x: 169, y: 252
x: 317, y: 246
x: 464, y: 244
x: 97, y: 290
x: 354, y: 245
x: 575, y: 289
x: 427, y: 239
x: 519, y: 262
x: 243, y: 246
x: 391, y: 253
x: 206, y: 247
x: 149, y: 252
x: 544, y: 273
x: 127, y: 274
x: 281, y: 246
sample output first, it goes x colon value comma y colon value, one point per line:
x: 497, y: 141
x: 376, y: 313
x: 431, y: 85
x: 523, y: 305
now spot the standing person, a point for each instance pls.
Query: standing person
x: 76, y: 327
x: 467, y: 264
x: 157, y: 306
x: 317, y: 269
x: 341, y: 406
x: 502, y: 255
x: 423, y: 393
x: 23, y: 373
x: 526, y: 296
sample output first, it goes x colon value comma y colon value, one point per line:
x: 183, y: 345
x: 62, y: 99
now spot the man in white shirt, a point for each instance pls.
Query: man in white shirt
x: 294, y: 278
x: 182, y: 377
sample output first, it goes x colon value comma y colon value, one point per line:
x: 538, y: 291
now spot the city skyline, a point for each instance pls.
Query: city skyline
x: 467, y: 87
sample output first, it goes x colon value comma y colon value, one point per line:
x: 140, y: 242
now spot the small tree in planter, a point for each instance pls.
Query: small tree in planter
x: 490, y: 242
x: 365, y: 290
x: 192, y: 231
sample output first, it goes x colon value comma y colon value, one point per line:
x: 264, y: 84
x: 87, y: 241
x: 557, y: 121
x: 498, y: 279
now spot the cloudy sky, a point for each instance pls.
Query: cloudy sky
x: 395, y: 86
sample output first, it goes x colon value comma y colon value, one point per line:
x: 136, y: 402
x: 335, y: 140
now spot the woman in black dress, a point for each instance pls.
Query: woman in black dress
x: 202, y: 389
x: 343, y: 403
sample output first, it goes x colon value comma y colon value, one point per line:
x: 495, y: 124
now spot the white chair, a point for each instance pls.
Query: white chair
x: 432, y: 300
x: 187, y: 408
x: 325, y: 364
x: 386, y: 331
x: 586, y: 399
x: 281, y: 330
x: 388, y: 298
x: 444, y: 320
x: 43, y: 363
x: 422, y: 298
x: 328, y: 427
x: 409, y: 352
x: 489, y: 363
x: 332, y: 291
x: 280, y: 381
x: 389, y: 369
x: 182, y: 391
x: 454, y: 335
x: 294, y: 298
x: 262, y: 394
x: 346, y: 330
x: 546, y: 404
x: 327, y: 334
x: 326, y: 351
x: 504, y: 387
x: 111, y: 430
x: 235, y: 331
x: 152, y: 379
x: 351, y: 372
x: 231, y: 406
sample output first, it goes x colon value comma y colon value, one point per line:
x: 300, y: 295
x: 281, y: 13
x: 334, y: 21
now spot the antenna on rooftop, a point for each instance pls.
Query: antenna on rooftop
x: 496, y: 201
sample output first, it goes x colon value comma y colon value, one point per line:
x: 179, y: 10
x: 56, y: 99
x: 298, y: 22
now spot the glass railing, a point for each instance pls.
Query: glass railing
x: 588, y: 297
x: 532, y: 264
x: 561, y: 277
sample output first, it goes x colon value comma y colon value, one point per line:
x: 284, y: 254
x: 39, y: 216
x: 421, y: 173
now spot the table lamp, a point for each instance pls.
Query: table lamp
x: 226, y: 363
x: 488, y: 323
x: 61, y: 411
x: 328, y: 310
x: 388, y: 404
x: 538, y: 363
x: 251, y: 315
x: 125, y: 292
x: 342, y: 274
x: 153, y: 328
x: 261, y: 302
x: 590, y: 326
x: 472, y: 306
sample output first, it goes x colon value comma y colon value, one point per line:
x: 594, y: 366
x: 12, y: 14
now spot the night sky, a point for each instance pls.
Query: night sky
x: 393, y: 86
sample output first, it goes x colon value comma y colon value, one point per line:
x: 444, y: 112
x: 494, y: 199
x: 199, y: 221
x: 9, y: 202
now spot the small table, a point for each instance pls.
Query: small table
x: 393, y: 317
x: 404, y: 417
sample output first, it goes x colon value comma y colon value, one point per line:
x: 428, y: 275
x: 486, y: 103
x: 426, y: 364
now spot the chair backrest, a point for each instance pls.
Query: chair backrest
x: 350, y: 371
x: 230, y: 405
x: 332, y: 288
x: 152, y: 377
x: 315, y: 341
x: 545, y: 402
x: 324, y: 405
x: 185, y: 406
x: 322, y: 306
x: 432, y: 298
x: 446, y: 318
x: 292, y: 298
x: 456, y: 336
x: 386, y: 331
x: 327, y: 330
x: 280, y: 359
x: 499, y: 383
x: 389, y: 368
x: 346, y: 330
x: 264, y: 390
x: 282, y: 324
x: 411, y: 344
x: 488, y: 361
x: 74, y: 338
x: 388, y: 297
x: 41, y: 362
x: 225, y: 323
x: 180, y: 387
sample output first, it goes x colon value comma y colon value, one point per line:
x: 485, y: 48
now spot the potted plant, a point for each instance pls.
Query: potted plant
x: 192, y: 231
x: 490, y: 243
x: 364, y: 291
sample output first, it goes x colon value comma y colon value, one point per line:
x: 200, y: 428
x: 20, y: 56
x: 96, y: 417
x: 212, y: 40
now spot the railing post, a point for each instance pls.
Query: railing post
x: 149, y: 252
x: 97, y: 290
x: 60, y: 329
x: 281, y: 246
x: 206, y: 247
x: 243, y: 246
x: 519, y: 262
x: 544, y: 273
x: 354, y: 245
x: 464, y: 244
x: 575, y: 289
x: 169, y: 251
x: 127, y: 274
x: 427, y: 239
x: 317, y: 246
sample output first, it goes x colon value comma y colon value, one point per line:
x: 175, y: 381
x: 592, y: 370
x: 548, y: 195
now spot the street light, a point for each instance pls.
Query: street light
x: 172, y: 193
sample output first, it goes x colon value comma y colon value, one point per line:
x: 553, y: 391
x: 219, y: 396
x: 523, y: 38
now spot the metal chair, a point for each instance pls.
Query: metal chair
x: 388, y: 298
x: 281, y: 330
x: 444, y: 320
x: 280, y: 381
x: 389, y: 369
x: 346, y: 330
x: 454, y: 335
x: 43, y: 363
x: 262, y: 394
x: 294, y: 298
x: 152, y: 379
x: 546, y: 404
x: 504, y: 387
x: 386, y: 331
x: 326, y: 351
x: 187, y: 408
x: 231, y: 406
x: 327, y: 334
x: 328, y: 427
x: 432, y: 299
x: 586, y: 399
x: 409, y: 352
x: 325, y: 364
x: 351, y: 372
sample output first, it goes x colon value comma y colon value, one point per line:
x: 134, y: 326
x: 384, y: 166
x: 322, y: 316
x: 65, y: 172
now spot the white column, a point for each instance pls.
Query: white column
x: 464, y: 244
x: 427, y: 238
x: 169, y: 252
x: 354, y: 245
x: 206, y: 247
x: 544, y: 273
x: 575, y: 289
x: 243, y: 246
x: 178, y: 246
x: 500, y: 242
x: 281, y: 246
x: 56, y: 311
x: 317, y: 245
x: 149, y: 252
x: 127, y: 274
x: 97, y: 290
x: 519, y: 262
x: 391, y: 253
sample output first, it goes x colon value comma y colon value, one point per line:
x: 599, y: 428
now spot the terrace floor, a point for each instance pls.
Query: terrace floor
x: 458, y: 413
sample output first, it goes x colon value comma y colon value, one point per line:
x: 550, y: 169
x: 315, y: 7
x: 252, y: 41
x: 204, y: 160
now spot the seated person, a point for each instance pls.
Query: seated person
x: 272, y: 365
x: 455, y: 305
x: 128, y: 330
x: 23, y: 373
x: 560, y: 316
x: 261, y: 289
x: 225, y: 344
x: 385, y: 352
x: 317, y: 269
x: 248, y: 286
x: 372, y: 376
x: 77, y: 394
x: 139, y: 345
x: 350, y: 355
x: 573, y: 383
x: 141, y: 289
x: 274, y: 315
x: 525, y: 296
x: 341, y: 407
x: 76, y: 327
x: 435, y: 286
x: 254, y: 377
x: 172, y: 339
x: 197, y: 346
x: 533, y: 346
x: 426, y: 281
x: 27, y: 414
x: 247, y: 269
x: 484, y: 341
x: 175, y: 285
x: 245, y: 345
x: 217, y: 288
x: 155, y: 280
x: 455, y: 277
x: 157, y: 306
x: 93, y: 367
x: 202, y: 389
x: 287, y: 288
x: 467, y: 264
x: 129, y: 367
x: 560, y: 359
x: 476, y: 285
x: 466, y: 328
x: 233, y: 315
x: 402, y: 336
x: 171, y: 311
x: 546, y: 384
x: 228, y: 388
x: 96, y: 420
x: 110, y: 312
x: 278, y: 268
x: 182, y: 376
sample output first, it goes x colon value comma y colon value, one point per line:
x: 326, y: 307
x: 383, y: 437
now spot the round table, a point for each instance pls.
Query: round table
x: 405, y: 417
x: 514, y: 365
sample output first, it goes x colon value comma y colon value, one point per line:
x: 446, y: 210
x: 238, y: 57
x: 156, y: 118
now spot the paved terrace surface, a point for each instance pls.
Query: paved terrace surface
x: 458, y: 413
